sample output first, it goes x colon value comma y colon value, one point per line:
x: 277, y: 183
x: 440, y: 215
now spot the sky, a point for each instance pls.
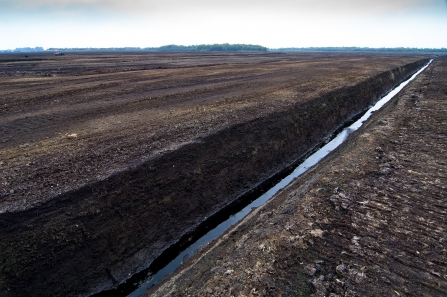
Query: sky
x: 273, y: 23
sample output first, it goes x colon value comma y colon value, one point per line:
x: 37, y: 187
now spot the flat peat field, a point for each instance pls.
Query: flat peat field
x: 109, y: 158
x: 66, y: 121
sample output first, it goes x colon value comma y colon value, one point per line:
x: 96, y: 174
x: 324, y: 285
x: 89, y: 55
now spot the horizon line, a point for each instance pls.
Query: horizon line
x: 41, y: 49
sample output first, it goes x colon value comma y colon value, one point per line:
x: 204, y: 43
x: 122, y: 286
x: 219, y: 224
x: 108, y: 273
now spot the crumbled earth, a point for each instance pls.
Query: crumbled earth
x: 108, y: 159
x: 369, y: 220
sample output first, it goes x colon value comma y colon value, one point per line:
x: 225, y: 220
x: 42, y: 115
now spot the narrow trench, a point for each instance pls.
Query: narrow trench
x: 217, y: 224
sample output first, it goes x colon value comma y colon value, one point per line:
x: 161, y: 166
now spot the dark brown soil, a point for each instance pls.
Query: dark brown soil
x: 67, y: 121
x: 107, y: 160
x: 369, y: 220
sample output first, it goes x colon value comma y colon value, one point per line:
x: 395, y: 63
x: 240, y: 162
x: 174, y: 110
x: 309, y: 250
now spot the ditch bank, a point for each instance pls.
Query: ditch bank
x: 87, y: 240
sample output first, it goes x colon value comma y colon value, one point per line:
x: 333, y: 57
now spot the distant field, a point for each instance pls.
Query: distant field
x: 131, y: 106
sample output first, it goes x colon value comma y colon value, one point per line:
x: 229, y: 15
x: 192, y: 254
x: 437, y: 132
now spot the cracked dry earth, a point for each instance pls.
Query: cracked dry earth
x: 369, y: 220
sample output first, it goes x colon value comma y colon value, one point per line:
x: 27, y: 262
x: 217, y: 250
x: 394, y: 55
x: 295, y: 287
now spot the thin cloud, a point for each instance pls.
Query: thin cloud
x: 140, y: 6
x: 86, y: 5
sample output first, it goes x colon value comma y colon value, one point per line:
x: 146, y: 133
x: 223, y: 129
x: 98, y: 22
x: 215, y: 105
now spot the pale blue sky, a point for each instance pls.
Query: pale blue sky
x: 278, y: 23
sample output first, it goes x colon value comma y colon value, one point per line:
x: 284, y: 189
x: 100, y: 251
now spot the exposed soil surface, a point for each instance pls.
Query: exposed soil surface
x: 108, y: 159
x: 369, y: 220
x: 66, y: 121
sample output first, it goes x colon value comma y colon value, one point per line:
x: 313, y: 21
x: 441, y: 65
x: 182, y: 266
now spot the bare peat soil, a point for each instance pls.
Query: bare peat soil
x: 66, y: 121
x: 369, y: 220
x: 108, y: 159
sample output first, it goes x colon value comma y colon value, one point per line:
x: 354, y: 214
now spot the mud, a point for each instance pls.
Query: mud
x: 82, y: 209
x: 369, y: 220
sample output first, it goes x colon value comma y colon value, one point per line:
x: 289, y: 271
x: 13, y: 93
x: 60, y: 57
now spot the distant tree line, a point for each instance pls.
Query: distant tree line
x: 24, y: 50
x: 76, y: 49
x: 225, y: 47
x: 361, y: 49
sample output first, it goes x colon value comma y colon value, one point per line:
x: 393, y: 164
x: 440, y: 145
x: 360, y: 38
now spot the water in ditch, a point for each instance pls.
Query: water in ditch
x: 139, y: 284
